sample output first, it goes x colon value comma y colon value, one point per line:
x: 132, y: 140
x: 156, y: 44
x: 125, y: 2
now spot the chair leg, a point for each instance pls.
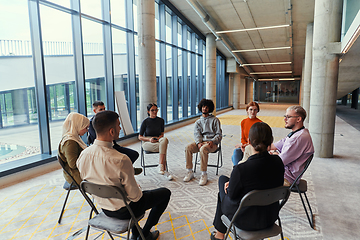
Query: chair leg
x: 195, y: 162
x: 281, y: 233
x: 110, y: 235
x: 142, y: 160
x: 63, y: 208
x: 311, y: 220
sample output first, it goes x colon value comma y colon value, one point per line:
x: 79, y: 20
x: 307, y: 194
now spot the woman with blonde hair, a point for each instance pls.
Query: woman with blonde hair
x: 71, y: 144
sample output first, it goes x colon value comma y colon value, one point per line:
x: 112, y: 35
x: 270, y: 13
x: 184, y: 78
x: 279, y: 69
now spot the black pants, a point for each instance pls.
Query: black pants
x: 218, y: 224
x: 156, y: 200
x: 132, y: 154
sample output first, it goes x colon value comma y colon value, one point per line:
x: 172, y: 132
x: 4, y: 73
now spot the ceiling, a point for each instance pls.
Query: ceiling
x: 245, y: 14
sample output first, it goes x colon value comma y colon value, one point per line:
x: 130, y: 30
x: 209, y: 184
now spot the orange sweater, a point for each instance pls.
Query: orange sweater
x: 245, y: 128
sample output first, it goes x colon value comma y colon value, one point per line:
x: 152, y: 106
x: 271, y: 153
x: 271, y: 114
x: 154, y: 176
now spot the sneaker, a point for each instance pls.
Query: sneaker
x: 151, y: 236
x: 203, y: 180
x: 168, y: 176
x: 161, y: 169
x: 189, y: 176
x: 137, y: 171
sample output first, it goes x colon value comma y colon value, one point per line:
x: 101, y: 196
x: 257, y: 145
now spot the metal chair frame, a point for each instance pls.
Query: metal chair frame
x: 219, y: 160
x: 88, y: 200
x: 107, y: 191
x: 258, y: 198
x: 71, y: 187
x: 302, y: 188
x: 142, y: 159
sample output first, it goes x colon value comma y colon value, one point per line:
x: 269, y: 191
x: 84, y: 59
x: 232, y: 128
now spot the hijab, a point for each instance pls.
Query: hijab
x: 72, y: 126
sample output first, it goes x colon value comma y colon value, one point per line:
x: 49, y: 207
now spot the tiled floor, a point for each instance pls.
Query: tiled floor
x: 30, y: 210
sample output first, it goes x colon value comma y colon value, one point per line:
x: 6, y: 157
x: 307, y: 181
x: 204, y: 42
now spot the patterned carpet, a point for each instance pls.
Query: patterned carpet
x: 32, y: 213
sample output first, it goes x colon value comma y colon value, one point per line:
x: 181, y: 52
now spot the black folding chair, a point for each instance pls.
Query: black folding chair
x: 258, y: 198
x: 67, y: 186
x: 100, y: 220
x: 219, y: 160
x: 301, y: 188
x: 142, y: 159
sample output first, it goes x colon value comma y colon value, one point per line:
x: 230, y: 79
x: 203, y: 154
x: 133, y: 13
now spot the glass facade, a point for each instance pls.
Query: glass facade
x: 69, y: 58
x: 277, y: 91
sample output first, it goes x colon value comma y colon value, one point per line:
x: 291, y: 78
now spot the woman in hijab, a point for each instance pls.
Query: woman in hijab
x: 71, y: 145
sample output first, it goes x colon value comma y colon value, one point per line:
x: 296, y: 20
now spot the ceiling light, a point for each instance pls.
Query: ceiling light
x: 261, y: 49
x: 265, y: 79
x: 252, y: 29
x: 271, y: 72
x: 259, y: 64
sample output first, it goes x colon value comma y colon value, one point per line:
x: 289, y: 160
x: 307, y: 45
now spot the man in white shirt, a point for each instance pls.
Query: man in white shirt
x: 102, y: 164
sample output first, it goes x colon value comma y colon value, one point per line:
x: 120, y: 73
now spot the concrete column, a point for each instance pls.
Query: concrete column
x: 344, y: 100
x: 301, y: 93
x: 231, y: 89
x: 307, y: 70
x: 355, y: 98
x: 211, y: 68
x: 236, y: 92
x: 324, y: 77
x: 146, y: 61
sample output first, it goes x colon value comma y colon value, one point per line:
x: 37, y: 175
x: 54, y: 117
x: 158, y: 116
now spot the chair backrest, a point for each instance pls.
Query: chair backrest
x: 265, y: 197
x: 307, y: 163
x: 63, y: 167
x: 103, y: 191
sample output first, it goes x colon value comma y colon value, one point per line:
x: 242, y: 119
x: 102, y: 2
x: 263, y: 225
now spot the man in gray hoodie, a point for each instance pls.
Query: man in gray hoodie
x: 207, y: 135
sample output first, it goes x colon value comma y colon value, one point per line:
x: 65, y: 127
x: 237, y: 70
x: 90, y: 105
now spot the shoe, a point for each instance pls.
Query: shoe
x: 162, y: 169
x: 189, y: 176
x: 212, y: 236
x: 168, y: 176
x: 203, y: 180
x: 151, y: 236
x: 137, y: 171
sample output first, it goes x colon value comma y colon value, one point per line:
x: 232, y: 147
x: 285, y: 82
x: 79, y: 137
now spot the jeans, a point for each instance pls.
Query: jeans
x: 237, y: 156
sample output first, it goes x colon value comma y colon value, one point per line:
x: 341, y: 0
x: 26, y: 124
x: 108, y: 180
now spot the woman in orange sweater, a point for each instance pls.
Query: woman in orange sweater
x: 252, y: 109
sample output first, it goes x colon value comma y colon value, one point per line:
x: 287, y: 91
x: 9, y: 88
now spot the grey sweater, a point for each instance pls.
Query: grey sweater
x: 208, y: 129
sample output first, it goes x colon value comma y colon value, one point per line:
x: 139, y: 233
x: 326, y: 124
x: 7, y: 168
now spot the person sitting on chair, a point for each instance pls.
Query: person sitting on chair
x: 102, y: 164
x: 251, y: 109
x: 208, y: 135
x: 71, y: 145
x: 296, y: 147
x: 152, y: 134
x: 99, y: 106
x: 261, y: 171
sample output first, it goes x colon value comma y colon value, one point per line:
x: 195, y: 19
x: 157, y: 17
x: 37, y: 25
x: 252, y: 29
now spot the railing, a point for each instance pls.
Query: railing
x: 52, y: 48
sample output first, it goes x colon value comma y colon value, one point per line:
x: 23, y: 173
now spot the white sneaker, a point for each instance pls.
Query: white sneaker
x: 203, y: 180
x: 161, y: 169
x: 168, y: 176
x: 189, y: 176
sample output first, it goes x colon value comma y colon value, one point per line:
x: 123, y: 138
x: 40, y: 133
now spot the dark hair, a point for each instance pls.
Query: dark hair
x: 206, y: 102
x: 299, y: 110
x: 149, y: 106
x: 98, y: 103
x: 260, y: 136
x: 253, y: 104
x: 104, y: 120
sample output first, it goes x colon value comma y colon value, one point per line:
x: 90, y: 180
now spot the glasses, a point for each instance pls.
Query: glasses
x: 154, y: 110
x: 287, y: 117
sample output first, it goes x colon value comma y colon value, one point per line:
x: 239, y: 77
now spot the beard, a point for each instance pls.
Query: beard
x: 289, y: 126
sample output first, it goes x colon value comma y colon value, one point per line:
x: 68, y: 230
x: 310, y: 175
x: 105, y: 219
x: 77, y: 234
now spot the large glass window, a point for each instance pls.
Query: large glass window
x: 74, y: 71
x: 93, y: 62
x: 118, y: 12
x: 19, y: 136
x: 59, y: 68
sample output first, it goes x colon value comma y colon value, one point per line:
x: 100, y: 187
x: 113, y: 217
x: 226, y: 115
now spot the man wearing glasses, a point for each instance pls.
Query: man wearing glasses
x: 296, y: 147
